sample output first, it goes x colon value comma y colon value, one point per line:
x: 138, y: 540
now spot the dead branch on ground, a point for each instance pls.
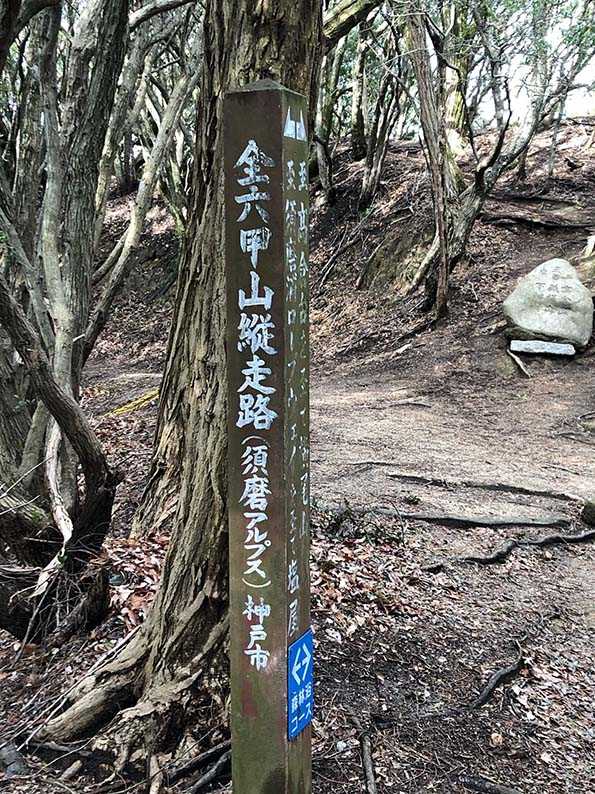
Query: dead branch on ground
x: 366, y: 751
x: 191, y: 766
x: 519, y: 362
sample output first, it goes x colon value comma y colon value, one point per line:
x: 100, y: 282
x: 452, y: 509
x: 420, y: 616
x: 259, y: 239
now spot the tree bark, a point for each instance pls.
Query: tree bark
x: 458, y: 46
x: 125, y: 111
x: 65, y: 410
x: 358, y: 115
x: 49, y: 223
x: 101, y: 39
x: 24, y: 525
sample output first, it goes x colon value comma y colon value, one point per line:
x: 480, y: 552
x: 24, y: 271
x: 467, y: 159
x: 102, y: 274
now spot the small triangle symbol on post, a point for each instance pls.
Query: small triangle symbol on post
x: 300, y: 128
x: 290, y: 126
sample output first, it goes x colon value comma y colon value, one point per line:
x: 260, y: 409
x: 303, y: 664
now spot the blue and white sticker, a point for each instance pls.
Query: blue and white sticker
x: 300, y: 684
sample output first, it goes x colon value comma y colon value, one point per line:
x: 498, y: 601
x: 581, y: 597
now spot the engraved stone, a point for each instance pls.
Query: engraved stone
x: 551, y: 303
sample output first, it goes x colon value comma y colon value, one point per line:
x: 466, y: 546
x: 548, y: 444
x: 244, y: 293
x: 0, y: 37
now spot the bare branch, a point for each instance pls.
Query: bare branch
x: 63, y: 408
x: 8, y: 19
x: 119, y: 259
x: 31, y: 8
x: 343, y: 17
x: 152, y: 9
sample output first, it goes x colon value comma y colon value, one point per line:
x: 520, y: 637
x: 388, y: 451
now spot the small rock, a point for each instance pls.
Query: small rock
x: 539, y: 347
x: 588, y: 512
x: 551, y: 303
x: 586, y: 265
x: 505, y: 366
x: 586, y: 272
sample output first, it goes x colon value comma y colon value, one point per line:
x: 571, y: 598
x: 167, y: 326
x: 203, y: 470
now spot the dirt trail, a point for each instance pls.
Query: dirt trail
x: 509, y: 438
x: 366, y: 431
x: 454, y: 410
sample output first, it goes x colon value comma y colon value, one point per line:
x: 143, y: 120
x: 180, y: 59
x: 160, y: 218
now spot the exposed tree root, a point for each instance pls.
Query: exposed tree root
x: 100, y: 696
x: 354, y: 344
x: 455, y: 520
x: 484, y: 486
x: 156, y: 775
x: 484, y: 786
x: 189, y: 767
x: 334, y: 258
x: 549, y: 540
x: 212, y: 774
x: 499, y: 555
x: 501, y: 676
x: 562, y: 217
x: 130, y: 705
x: 361, y: 277
x: 503, y: 551
x: 449, y: 519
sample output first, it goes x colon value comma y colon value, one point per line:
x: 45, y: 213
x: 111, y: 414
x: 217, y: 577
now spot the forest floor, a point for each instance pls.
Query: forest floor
x: 408, y: 431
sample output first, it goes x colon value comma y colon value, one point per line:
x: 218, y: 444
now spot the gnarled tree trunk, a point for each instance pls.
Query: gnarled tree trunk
x: 50, y: 526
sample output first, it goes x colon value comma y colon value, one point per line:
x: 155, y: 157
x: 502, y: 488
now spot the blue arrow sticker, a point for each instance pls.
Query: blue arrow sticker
x: 300, y: 684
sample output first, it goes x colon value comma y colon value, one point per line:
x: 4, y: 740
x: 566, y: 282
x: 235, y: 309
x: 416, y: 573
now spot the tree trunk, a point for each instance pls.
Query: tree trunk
x: 88, y: 106
x: 8, y: 24
x: 458, y: 44
x: 386, y: 113
x: 432, y: 122
x: 127, y: 105
x: 358, y: 120
x: 25, y: 525
x: 325, y: 110
x: 129, y: 241
x: 29, y: 160
x: 183, y: 641
x: 557, y: 123
x: 48, y: 522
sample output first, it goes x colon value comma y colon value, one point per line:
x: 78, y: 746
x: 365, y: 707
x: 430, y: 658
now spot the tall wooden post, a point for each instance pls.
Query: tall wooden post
x: 266, y: 238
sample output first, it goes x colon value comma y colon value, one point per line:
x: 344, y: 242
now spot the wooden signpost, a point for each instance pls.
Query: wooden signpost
x: 266, y: 240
